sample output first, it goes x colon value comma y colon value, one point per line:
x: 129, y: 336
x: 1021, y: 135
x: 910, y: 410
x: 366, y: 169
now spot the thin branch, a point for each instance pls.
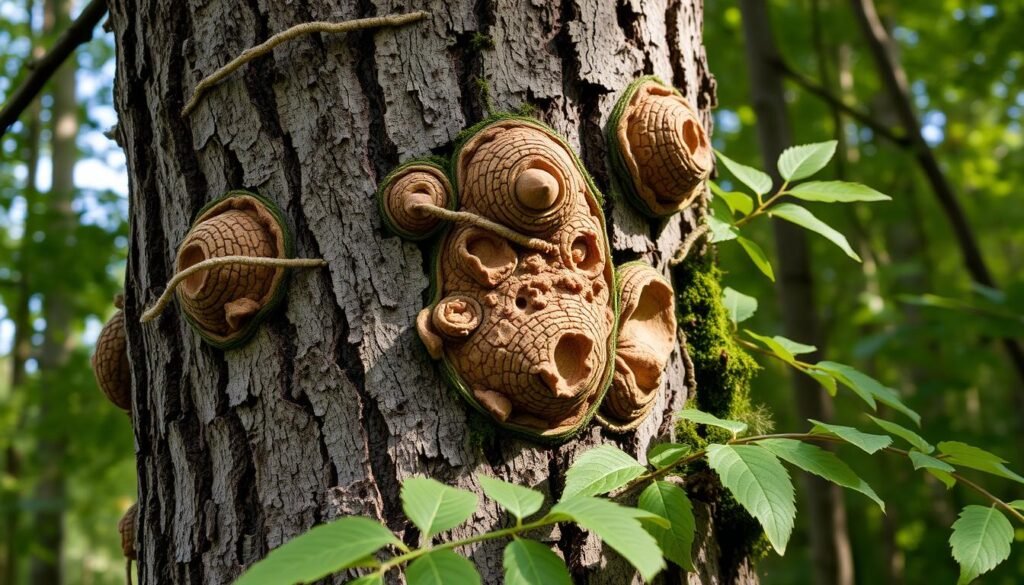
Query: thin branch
x: 165, y: 298
x: 484, y: 223
x: 684, y: 247
x: 286, y: 35
x: 79, y: 33
x: 900, y: 139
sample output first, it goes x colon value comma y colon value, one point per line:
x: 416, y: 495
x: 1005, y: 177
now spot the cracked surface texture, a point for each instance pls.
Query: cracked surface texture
x: 110, y: 363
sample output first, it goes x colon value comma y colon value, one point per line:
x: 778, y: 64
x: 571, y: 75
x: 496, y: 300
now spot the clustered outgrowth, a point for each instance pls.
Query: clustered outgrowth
x: 529, y: 319
x: 658, y: 148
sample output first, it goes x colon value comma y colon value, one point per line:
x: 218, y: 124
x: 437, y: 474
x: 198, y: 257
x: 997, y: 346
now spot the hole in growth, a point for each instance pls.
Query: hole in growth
x: 571, y: 353
x: 193, y: 254
x: 691, y: 135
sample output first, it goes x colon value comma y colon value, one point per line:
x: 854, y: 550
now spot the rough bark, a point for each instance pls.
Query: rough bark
x: 830, y: 542
x: 335, y: 400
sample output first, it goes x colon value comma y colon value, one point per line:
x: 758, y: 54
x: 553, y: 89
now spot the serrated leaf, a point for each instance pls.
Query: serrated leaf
x: 836, y: 192
x: 800, y: 162
x: 777, y: 348
x: 758, y: 181
x: 942, y: 476
x: 922, y: 461
x: 434, y: 507
x: 824, y: 464
x: 980, y: 541
x: 805, y: 219
x: 528, y: 562
x: 965, y: 455
x: 739, y: 306
x: 721, y: 231
x: 520, y: 501
x: 760, y: 483
x: 869, y: 389
x: 442, y: 567
x: 667, y: 454
x: 733, y: 426
x: 757, y: 256
x: 600, y: 470
x: 735, y: 200
x: 864, y: 441
x: 916, y: 440
x: 619, y: 528
x: 325, y: 549
x: 670, y: 502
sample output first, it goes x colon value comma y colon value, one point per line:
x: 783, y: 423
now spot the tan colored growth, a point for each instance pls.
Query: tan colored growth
x: 222, y: 299
x: 526, y: 330
x: 110, y: 363
x: 647, y: 333
x: 665, y: 148
x: 415, y: 187
x: 126, y: 526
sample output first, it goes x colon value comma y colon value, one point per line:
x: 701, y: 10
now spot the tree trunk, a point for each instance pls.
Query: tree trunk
x: 335, y: 401
x: 830, y: 542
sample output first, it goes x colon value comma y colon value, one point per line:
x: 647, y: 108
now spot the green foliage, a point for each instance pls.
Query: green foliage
x: 670, y: 502
x: 324, y: 550
x: 820, y: 462
x: 600, y: 470
x: 761, y: 484
x: 518, y: 500
x: 734, y: 427
x: 434, y: 507
x: 864, y: 441
x: 740, y: 306
x: 528, y: 562
x: 758, y: 181
x: 981, y: 540
x: 836, y: 192
x: 805, y: 219
x: 964, y: 455
x: 800, y: 162
x: 667, y: 454
x: 442, y: 567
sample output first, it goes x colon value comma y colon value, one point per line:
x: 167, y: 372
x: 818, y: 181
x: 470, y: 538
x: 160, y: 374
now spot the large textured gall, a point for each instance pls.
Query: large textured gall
x: 110, y: 362
x: 658, y: 148
x: 224, y: 303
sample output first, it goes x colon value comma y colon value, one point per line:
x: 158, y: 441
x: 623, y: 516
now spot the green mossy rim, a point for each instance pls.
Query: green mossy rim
x: 607, y: 422
x: 622, y: 179
x: 436, y: 162
x: 448, y: 371
x: 245, y: 334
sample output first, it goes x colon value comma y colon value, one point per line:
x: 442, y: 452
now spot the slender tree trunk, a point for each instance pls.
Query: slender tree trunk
x: 335, y: 401
x: 826, y: 511
x: 55, y: 350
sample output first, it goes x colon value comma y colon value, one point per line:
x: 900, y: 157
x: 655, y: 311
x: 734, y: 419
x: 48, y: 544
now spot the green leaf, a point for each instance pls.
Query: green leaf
x: 965, y: 455
x: 520, y: 501
x: 740, y: 306
x: 980, y: 541
x: 758, y: 181
x: 442, y: 567
x: 824, y: 464
x: 760, y: 484
x: 371, y: 579
x: 805, y: 219
x: 736, y: 201
x: 868, y: 388
x: 733, y: 426
x: 434, y: 507
x: 866, y: 442
x: 667, y: 454
x: 836, y: 192
x: 528, y: 562
x: 1017, y: 505
x: 618, y: 526
x: 325, y: 549
x: 777, y: 348
x: 922, y: 461
x: 824, y: 378
x: 942, y: 476
x: 904, y: 433
x: 600, y: 470
x: 670, y: 502
x: 757, y: 256
x: 794, y: 347
x: 721, y: 231
x: 800, y: 162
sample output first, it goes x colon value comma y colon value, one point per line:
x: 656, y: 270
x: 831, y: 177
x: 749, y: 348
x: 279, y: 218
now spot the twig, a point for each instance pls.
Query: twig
x: 80, y: 32
x: 484, y: 223
x: 684, y: 247
x: 165, y: 298
x: 296, y: 31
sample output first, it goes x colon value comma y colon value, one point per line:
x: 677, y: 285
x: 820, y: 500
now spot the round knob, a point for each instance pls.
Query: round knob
x: 537, y: 189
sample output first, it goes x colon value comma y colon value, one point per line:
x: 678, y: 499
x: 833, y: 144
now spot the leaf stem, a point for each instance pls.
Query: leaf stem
x: 761, y: 206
